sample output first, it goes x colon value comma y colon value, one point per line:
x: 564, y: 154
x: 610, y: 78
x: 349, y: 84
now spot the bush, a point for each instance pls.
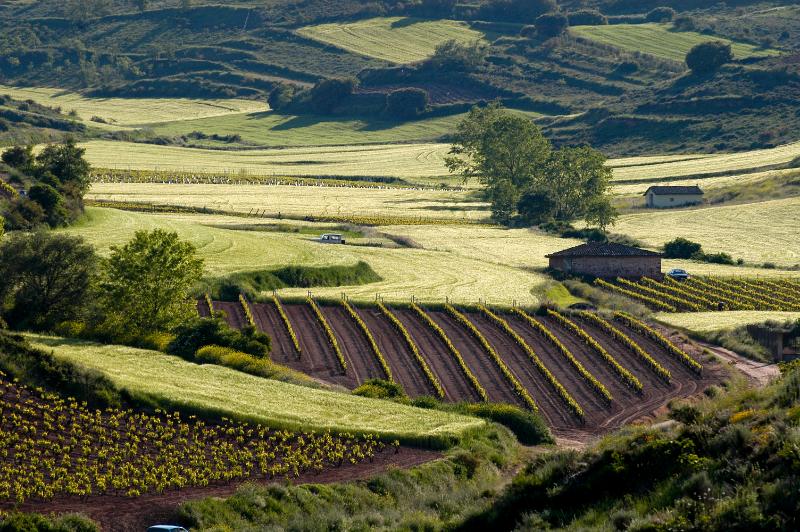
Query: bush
x: 684, y: 23
x: 551, y: 25
x: 587, y: 17
x: 528, y: 427
x: 260, y: 367
x: 381, y: 389
x: 708, y: 57
x: 660, y: 14
x: 406, y: 103
x: 518, y: 11
x: 25, y: 522
x: 330, y: 93
x: 452, y: 56
x: 281, y: 96
x: 681, y: 248
x: 714, y: 258
x: 200, y: 332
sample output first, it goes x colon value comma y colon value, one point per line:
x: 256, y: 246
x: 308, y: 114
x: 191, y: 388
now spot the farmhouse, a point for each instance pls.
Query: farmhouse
x: 664, y: 197
x: 602, y: 259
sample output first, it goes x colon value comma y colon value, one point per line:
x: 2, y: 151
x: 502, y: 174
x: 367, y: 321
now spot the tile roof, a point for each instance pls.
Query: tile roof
x: 694, y: 189
x: 604, y: 249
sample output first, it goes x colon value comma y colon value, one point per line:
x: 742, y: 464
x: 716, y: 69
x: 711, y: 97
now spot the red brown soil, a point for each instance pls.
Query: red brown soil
x: 318, y: 358
x: 477, y: 360
x: 398, y: 355
x: 269, y: 320
x: 234, y: 313
x: 438, y: 356
x: 202, y: 308
x: 362, y: 364
x: 126, y: 514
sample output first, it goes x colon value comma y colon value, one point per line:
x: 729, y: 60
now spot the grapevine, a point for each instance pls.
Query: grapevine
x: 287, y: 323
x: 248, y: 313
x: 645, y: 329
x: 329, y: 332
x: 370, y: 339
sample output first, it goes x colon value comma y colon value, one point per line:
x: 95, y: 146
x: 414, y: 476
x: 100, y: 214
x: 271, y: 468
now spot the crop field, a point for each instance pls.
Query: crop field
x: 557, y: 364
x: 130, y: 112
x: 431, y: 275
x: 661, y: 40
x: 393, y: 39
x: 703, y: 322
x: 757, y: 232
x: 173, y: 381
x: 43, y: 462
x: 382, y: 160
x: 748, y: 179
x: 704, y: 294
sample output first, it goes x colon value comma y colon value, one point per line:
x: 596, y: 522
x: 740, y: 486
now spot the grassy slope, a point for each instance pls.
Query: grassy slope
x: 430, y: 275
x: 399, y: 160
x: 757, y: 232
x: 128, y: 112
x: 715, y: 321
x: 660, y: 40
x: 394, y: 39
x: 172, y: 380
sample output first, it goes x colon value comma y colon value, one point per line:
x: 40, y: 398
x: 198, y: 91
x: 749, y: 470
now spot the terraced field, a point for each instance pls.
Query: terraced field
x: 130, y: 112
x: 660, y: 40
x: 599, y: 415
x: 393, y: 39
x: 173, y: 381
x: 380, y: 160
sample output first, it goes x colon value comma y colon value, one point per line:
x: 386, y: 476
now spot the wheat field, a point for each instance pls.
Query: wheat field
x: 661, y: 40
x: 174, y: 381
x: 393, y: 39
x: 717, y: 321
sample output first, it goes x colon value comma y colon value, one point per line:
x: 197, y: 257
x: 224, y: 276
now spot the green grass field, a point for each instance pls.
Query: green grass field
x: 274, y: 129
x: 393, y: 39
x: 412, y: 161
x: 129, y: 112
x: 171, y: 380
x: 757, y: 232
x: 716, y: 321
x: 660, y: 40
x: 428, y: 274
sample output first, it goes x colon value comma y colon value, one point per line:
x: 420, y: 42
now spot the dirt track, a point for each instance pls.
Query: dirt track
x: 125, y: 514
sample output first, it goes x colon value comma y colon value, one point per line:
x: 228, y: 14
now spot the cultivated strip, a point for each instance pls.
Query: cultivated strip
x: 412, y: 345
x: 248, y: 313
x: 651, y: 333
x: 627, y: 377
x: 657, y: 368
x: 329, y: 332
x: 453, y: 350
x: 285, y: 318
x: 655, y: 303
x: 210, y: 303
x: 371, y: 339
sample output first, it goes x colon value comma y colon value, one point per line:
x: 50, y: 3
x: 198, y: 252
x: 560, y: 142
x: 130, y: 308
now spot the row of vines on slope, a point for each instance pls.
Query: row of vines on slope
x: 328, y: 332
x: 288, y: 324
x: 370, y: 339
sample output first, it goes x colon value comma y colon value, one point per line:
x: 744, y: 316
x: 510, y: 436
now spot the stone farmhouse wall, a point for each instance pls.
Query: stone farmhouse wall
x: 665, y: 201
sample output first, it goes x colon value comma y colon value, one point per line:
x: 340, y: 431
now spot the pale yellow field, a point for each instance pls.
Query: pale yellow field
x: 129, y: 112
x: 301, y: 200
x: 758, y: 232
x: 239, y: 395
x: 625, y: 188
x: 715, y: 321
x: 394, y: 39
x: 393, y: 160
x: 430, y: 275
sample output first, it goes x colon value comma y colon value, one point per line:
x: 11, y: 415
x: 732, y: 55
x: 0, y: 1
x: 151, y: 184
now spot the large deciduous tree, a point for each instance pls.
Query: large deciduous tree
x: 45, y: 278
x: 147, y: 282
x: 526, y: 180
x: 708, y: 57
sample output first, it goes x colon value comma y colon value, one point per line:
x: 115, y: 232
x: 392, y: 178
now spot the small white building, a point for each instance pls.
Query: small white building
x: 664, y: 197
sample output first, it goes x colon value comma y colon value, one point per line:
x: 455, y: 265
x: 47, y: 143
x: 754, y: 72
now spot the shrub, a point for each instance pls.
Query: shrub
x: 528, y: 427
x: 681, y: 248
x: 200, y: 332
x: 260, y: 367
x: 684, y: 23
x: 381, y: 389
x: 406, y: 103
x: 281, y: 96
x: 587, y: 17
x: 452, y: 56
x: 708, y: 57
x: 329, y: 93
x: 626, y: 68
x: 714, y: 258
x: 551, y: 25
x: 660, y: 14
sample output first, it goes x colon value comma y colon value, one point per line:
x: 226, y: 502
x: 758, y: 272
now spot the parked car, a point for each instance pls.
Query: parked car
x: 166, y: 528
x: 678, y: 274
x: 331, y: 238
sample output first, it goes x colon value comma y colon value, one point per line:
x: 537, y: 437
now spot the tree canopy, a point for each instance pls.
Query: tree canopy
x: 527, y: 181
x: 708, y: 57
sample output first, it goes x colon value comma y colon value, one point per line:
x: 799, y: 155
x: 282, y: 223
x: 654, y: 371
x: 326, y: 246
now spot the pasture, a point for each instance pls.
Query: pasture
x: 757, y: 232
x: 431, y: 275
x: 393, y: 39
x: 120, y: 113
x: 703, y: 322
x: 410, y: 161
x: 173, y: 381
x: 661, y: 40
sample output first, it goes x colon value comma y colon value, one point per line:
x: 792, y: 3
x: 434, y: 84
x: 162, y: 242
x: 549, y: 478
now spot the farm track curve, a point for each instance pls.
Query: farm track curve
x: 477, y: 360
x: 594, y: 407
x: 405, y: 369
x: 269, y: 321
x: 439, y: 358
x: 318, y: 357
x: 361, y: 361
